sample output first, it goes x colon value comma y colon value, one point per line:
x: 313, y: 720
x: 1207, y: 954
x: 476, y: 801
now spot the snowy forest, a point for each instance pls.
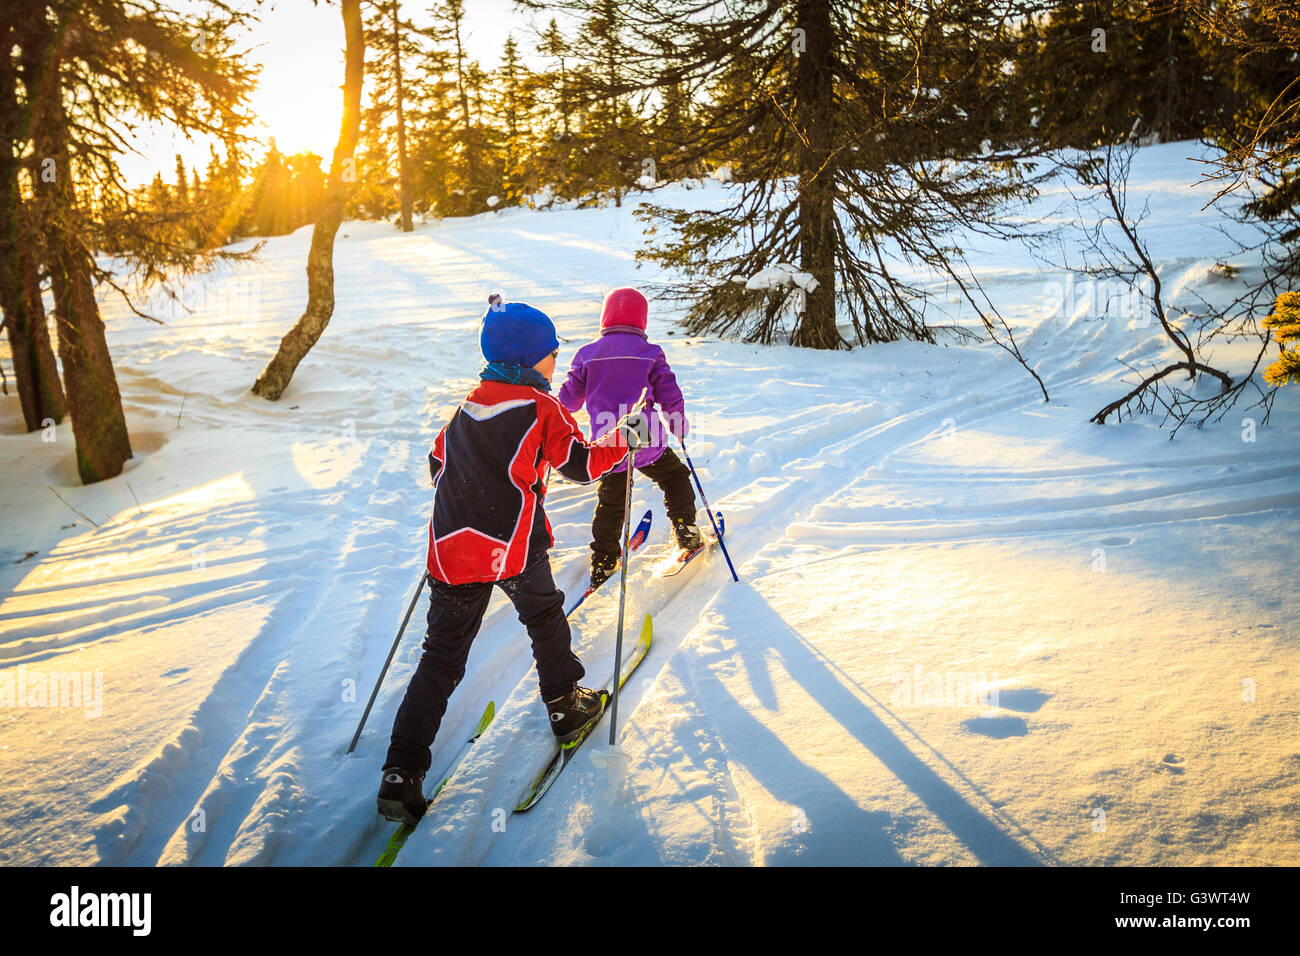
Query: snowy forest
x: 985, y: 316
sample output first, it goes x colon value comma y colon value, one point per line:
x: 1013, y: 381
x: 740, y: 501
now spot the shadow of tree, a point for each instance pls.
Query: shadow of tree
x: 853, y: 834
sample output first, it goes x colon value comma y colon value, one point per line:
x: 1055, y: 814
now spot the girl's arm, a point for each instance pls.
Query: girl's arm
x: 574, y: 391
x: 668, y: 396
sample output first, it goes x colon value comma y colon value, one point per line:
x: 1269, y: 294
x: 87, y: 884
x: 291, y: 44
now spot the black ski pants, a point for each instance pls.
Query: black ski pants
x: 455, y: 613
x: 673, y: 479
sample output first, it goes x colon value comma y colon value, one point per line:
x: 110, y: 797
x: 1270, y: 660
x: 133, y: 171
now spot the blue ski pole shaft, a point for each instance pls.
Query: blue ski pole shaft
x: 622, y: 599
x: 722, y: 544
x: 393, y: 650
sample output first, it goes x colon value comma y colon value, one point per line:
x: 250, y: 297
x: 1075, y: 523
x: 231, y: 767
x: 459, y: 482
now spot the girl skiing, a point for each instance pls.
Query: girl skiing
x: 608, y: 375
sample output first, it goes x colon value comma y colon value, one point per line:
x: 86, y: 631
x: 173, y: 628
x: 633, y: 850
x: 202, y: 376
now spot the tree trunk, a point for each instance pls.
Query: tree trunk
x: 320, y: 260
x: 403, y: 185
x: 471, y: 148
x: 815, y: 111
x: 39, y: 391
x: 564, y: 98
x: 98, y: 422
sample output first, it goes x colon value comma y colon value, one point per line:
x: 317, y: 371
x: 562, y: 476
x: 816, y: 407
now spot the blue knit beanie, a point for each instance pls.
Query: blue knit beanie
x: 517, y: 334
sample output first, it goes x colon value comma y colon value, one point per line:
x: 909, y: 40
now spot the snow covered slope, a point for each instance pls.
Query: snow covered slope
x: 970, y: 628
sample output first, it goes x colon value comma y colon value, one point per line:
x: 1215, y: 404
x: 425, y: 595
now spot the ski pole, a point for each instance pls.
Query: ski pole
x: 622, y: 579
x: 622, y: 597
x: 722, y: 544
x: 393, y: 650
x: 632, y: 447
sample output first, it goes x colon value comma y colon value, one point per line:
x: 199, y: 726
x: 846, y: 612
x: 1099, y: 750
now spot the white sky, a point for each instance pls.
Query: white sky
x: 298, y: 100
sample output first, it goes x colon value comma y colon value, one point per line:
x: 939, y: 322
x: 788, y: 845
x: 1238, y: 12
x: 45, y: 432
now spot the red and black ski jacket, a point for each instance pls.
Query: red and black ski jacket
x: 489, y: 466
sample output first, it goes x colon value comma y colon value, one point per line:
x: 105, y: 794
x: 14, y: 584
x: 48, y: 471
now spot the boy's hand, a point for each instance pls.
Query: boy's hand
x: 634, y: 430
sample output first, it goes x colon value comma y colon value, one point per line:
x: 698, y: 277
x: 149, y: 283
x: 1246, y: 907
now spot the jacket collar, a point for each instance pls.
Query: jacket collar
x: 623, y: 328
x: 515, y: 375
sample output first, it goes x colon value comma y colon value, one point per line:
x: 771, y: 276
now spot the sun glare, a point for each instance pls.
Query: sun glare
x: 298, y: 100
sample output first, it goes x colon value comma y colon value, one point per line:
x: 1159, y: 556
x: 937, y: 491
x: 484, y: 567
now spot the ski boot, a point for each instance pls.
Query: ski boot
x: 688, y: 535
x: 603, y: 567
x: 575, y: 712
x: 401, y: 796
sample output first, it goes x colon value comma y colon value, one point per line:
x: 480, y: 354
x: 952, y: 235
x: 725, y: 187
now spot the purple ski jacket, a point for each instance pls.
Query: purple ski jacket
x: 609, y: 374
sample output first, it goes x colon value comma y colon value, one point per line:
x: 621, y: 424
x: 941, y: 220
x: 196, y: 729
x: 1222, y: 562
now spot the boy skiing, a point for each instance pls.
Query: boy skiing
x: 489, y: 466
x: 609, y: 375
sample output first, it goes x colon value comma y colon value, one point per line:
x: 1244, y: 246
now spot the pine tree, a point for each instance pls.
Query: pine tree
x: 40, y: 392
x: 182, y: 185
x: 512, y: 111
x: 225, y: 199
x: 848, y: 122
x: 611, y: 141
x: 472, y: 180
x: 553, y: 156
x: 286, y: 193
x: 558, y: 81
x: 431, y: 126
x: 670, y: 126
x: 383, y: 156
x: 89, y: 71
x: 1103, y: 72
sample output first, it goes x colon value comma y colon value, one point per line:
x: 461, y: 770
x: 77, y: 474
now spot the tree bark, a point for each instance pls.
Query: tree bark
x: 39, y: 391
x: 471, y: 149
x: 815, y: 112
x: 98, y: 422
x: 37, y: 373
x: 320, y: 259
x: 403, y: 185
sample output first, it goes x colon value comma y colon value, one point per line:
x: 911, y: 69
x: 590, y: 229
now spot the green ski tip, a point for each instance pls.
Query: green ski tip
x: 485, y: 719
x: 404, y: 830
x: 565, y: 752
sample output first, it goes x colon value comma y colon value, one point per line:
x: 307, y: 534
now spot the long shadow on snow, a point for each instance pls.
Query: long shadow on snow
x: 982, y: 836
x: 855, y: 837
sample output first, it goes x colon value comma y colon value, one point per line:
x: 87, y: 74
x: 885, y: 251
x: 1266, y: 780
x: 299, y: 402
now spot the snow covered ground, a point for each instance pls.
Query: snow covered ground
x: 971, y: 627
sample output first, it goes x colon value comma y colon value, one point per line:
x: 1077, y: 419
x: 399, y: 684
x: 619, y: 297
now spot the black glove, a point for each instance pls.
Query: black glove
x: 634, y: 430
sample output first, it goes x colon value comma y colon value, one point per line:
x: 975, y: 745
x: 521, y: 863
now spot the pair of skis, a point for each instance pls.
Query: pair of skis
x: 543, y: 781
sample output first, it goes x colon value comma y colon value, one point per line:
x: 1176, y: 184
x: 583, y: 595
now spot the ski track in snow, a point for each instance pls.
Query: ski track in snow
x: 899, y: 508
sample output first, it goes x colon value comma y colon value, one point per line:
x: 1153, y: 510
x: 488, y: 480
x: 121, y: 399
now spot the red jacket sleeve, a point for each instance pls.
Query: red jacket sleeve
x: 564, y: 448
x: 437, y: 456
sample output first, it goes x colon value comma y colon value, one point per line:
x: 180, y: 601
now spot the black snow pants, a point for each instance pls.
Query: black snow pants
x: 455, y: 613
x: 673, y: 479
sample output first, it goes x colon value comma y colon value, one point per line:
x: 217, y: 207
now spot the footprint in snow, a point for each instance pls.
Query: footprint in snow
x: 1024, y: 700
x: 998, y: 728
x: 1116, y: 542
x: 1173, y: 763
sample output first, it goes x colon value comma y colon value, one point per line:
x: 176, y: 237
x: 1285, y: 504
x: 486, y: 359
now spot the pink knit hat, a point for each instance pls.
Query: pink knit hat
x: 625, y: 307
